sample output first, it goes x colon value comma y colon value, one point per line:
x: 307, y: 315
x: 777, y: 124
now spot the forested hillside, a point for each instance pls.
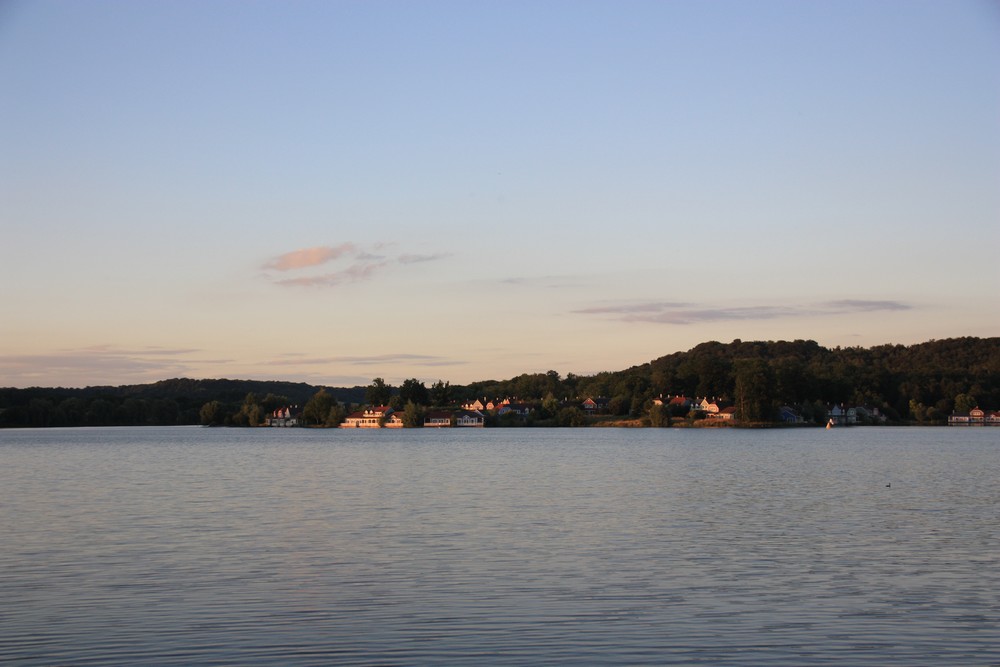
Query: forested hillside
x: 908, y: 383
x: 168, y: 402
x: 920, y: 383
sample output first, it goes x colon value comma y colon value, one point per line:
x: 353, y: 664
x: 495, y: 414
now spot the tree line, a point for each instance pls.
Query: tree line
x: 920, y: 383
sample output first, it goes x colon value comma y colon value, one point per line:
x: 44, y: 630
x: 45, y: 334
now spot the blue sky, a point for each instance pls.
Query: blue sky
x: 334, y: 191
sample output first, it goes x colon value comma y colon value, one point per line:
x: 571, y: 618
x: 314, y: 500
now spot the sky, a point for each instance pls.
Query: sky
x: 335, y: 191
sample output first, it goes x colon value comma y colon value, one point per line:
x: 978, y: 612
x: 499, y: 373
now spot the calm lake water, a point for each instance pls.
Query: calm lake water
x: 500, y: 546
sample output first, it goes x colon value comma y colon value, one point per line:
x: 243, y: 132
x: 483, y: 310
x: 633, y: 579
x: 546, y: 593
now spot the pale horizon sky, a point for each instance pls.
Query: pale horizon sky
x: 330, y: 192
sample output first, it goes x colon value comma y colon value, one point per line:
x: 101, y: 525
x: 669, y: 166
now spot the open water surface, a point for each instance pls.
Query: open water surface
x: 158, y: 546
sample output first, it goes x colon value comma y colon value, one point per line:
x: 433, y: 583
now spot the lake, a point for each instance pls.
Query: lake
x: 186, y: 545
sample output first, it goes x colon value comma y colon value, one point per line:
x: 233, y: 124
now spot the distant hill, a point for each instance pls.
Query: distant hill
x: 915, y: 383
x: 174, y: 401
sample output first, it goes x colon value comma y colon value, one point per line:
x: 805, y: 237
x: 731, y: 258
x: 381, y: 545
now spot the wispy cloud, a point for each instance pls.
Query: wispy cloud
x: 680, y: 313
x: 367, y: 263
x: 306, y: 257
x: 548, y: 282
x: 416, y: 259
x: 371, y: 360
x: 96, y: 365
x: 351, y: 274
x: 861, y: 306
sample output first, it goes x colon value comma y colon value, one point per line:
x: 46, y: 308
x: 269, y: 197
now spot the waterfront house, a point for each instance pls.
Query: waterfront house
x: 438, y: 419
x: 372, y: 417
x: 284, y: 417
x: 461, y: 418
x: 975, y: 417
x: 470, y: 419
x: 958, y: 419
x: 837, y: 414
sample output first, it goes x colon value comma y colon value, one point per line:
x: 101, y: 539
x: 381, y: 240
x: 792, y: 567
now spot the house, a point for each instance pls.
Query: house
x: 837, y: 414
x: 522, y: 409
x: 284, y: 417
x: 474, y: 405
x: 462, y: 418
x: 470, y: 419
x: 354, y: 420
x: 369, y: 418
x: 394, y: 420
x: 789, y: 415
x: 681, y: 404
x: 975, y: 417
x: 866, y: 415
x: 712, y: 407
x: 725, y: 414
x: 958, y: 419
x: 438, y: 419
x: 597, y: 405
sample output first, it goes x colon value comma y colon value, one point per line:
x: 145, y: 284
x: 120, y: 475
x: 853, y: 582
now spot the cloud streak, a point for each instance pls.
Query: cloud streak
x: 680, y: 313
x: 371, y: 360
x: 352, y: 274
x: 367, y: 263
x: 96, y: 366
x: 306, y: 257
x: 418, y: 259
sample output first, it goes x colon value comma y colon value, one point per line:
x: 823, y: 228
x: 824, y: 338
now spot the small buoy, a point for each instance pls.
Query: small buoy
x: 888, y: 485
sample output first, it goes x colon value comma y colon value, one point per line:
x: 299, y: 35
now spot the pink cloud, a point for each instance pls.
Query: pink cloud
x: 352, y: 274
x: 306, y: 257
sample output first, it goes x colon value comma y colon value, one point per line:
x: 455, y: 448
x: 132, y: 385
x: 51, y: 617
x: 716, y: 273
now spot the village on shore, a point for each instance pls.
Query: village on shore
x: 664, y: 411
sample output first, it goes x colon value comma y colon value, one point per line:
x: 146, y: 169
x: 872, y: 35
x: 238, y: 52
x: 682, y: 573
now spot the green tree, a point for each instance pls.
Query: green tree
x: 918, y: 410
x: 415, y: 391
x: 413, y: 415
x: 317, y: 409
x: 965, y: 403
x: 441, y: 393
x: 659, y: 416
x: 249, y: 413
x: 378, y: 392
x: 550, y: 405
x: 74, y: 411
x: 336, y: 416
x: 272, y: 402
x: 100, y: 412
x: 571, y: 416
x: 211, y: 413
x: 40, y: 410
x: 164, y: 412
x: 753, y: 390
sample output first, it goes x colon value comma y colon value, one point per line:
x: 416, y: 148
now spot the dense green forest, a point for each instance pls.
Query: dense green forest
x: 920, y: 383
x: 168, y: 402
